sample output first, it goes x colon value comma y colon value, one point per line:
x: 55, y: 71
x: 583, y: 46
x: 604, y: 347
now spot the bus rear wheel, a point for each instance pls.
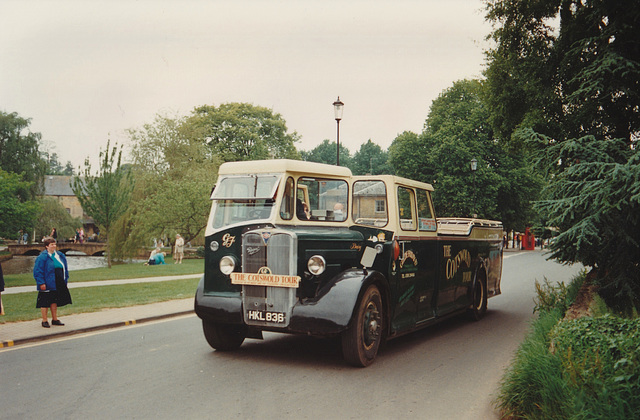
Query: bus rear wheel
x: 478, y: 300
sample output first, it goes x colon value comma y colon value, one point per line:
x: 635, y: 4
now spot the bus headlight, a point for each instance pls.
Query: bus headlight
x: 316, y: 265
x: 227, y: 264
x: 214, y: 246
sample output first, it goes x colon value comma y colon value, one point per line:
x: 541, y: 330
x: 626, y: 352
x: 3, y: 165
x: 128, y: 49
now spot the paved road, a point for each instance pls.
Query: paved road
x: 166, y: 369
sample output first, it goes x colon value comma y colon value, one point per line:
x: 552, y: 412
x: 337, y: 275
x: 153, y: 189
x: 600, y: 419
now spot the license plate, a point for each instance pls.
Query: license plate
x: 266, y: 316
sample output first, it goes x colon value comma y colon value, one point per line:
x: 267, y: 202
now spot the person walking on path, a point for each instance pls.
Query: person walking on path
x: 179, y: 250
x: 51, y: 273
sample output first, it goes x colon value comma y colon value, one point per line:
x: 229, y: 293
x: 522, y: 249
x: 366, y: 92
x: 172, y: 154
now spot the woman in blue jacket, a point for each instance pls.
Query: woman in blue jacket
x: 51, y: 273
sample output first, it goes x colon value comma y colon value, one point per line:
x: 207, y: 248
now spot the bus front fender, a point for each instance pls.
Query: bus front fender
x: 332, y: 309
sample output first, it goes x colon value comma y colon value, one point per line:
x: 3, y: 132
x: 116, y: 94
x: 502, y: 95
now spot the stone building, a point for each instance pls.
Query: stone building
x: 59, y: 187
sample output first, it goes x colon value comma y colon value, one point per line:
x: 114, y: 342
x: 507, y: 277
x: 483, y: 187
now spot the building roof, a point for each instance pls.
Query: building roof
x: 58, y: 185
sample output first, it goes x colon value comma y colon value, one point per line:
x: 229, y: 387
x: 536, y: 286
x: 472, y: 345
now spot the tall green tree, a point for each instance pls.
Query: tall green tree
x: 15, y: 214
x: 54, y: 167
x: 370, y: 159
x: 326, y: 152
x: 520, y: 77
x: 565, y: 69
x: 599, y: 69
x: 19, y: 152
x: 457, y: 131
x: 175, y: 172
x: 407, y: 156
x: 588, y: 125
x: 105, y: 195
x: 595, y: 202
x: 241, y: 131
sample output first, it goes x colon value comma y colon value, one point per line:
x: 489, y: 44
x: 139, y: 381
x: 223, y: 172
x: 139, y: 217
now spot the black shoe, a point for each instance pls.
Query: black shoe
x: 46, y: 324
x: 56, y: 322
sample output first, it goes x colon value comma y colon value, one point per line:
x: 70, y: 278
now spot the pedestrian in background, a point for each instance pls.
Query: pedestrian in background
x: 54, y: 234
x: 51, y: 273
x: 1, y: 290
x: 178, y: 253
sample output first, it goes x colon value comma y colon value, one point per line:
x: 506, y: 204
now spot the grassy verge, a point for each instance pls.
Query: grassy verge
x: 22, y: 306
x: 573, y: 369
x: 116, y: 272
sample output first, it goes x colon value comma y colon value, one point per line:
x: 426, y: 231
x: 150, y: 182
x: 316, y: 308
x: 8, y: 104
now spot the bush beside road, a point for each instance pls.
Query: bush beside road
x: 574, y: 367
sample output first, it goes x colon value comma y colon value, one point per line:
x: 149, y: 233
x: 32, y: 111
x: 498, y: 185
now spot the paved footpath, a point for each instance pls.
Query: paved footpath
x: 16, y: 333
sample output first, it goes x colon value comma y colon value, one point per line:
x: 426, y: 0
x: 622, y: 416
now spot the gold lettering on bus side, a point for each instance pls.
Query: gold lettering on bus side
x: 466, y: 277
x: 447, y: 251
x: 453, y: 264
x: 356, y: 246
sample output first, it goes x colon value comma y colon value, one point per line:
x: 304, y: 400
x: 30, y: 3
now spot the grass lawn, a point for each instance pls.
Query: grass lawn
x: 117, y: 271
x: 22, y: 306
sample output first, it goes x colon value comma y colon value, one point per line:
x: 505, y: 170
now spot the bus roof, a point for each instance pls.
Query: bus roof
x: 281, y: 166
x: 393, y: 179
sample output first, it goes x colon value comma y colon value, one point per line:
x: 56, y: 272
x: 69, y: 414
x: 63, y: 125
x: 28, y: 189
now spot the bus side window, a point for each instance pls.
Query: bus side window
x: 406, y: 200
x: 427, y: 223
x: 288, y: 201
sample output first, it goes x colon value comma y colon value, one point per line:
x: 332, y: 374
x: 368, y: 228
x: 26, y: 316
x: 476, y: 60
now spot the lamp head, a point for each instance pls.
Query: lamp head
x: 337, y: 109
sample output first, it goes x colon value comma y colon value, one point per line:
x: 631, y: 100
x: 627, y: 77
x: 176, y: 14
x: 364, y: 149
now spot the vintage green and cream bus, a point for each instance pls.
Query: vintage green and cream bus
x: 308, y: 248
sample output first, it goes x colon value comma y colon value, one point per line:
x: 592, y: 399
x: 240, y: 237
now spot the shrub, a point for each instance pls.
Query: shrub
x: 601, y: 363
x: 558, y: 296
x: 533, y: 386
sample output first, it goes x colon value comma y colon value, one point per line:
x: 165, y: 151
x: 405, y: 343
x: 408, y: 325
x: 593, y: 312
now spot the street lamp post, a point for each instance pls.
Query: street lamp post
x: 337, y: 109
x: 474, y: 167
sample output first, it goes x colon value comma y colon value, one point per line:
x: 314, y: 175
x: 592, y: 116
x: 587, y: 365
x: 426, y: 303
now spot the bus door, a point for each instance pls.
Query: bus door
x: 417, y: 265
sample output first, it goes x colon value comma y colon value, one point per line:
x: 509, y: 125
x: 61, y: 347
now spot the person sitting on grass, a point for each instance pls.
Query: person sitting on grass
x: 152, y: 257
x: 159, y: 257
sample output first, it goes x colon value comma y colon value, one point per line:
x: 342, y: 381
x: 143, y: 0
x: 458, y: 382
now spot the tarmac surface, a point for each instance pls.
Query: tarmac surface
x: 16, y: 333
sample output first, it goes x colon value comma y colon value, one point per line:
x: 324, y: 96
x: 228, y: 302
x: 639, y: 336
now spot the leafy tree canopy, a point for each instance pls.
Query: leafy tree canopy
x: 19, y: 152
x: 370, y: 159
x: 455, y: 132
x: 594, y: 200
x: 53, y: 215
x: 175, y: 171
x: 241, y: 131
x: 583, y: 79
x: 105, y: 195
x: 16, y: 214
x: 326, y: 152
x: 54, y: 167
x: 584, y: 90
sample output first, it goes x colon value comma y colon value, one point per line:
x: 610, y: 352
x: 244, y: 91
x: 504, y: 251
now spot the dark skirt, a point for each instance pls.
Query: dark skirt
x: 60, y: 296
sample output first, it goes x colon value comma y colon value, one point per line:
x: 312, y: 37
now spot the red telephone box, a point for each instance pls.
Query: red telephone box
x: 528, y: 240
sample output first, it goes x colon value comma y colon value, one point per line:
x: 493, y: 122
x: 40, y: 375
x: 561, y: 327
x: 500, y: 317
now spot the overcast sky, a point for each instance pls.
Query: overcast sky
x: 84, y: 71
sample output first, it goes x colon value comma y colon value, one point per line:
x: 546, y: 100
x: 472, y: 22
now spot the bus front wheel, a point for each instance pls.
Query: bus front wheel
x: 361, y: 340
x: 224, y: 337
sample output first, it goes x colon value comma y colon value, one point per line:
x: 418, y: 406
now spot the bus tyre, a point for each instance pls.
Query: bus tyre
x: 224, y: 337
x: 361, y: 340
x: 478, y: 300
